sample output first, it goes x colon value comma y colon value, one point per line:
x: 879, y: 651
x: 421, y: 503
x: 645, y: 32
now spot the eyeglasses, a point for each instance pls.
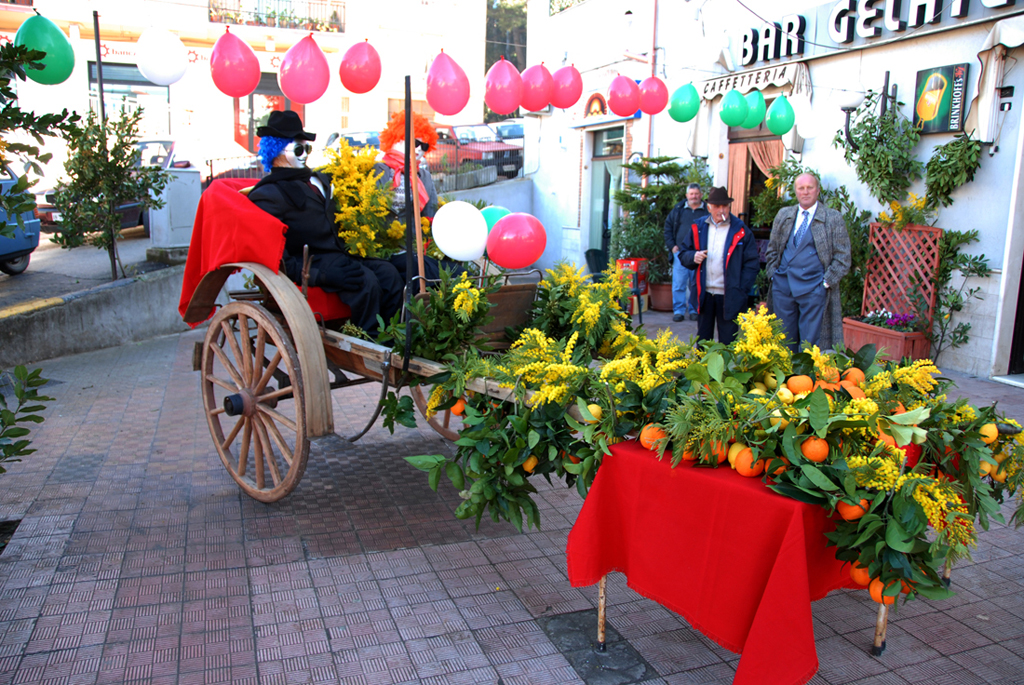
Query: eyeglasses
x: 422, y: 146
x: 301, y: 150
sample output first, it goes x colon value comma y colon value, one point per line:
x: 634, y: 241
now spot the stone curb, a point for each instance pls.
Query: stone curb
x: 123, y: 311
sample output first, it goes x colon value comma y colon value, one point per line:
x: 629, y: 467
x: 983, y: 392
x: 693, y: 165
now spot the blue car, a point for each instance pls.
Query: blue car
x: 15, y: 251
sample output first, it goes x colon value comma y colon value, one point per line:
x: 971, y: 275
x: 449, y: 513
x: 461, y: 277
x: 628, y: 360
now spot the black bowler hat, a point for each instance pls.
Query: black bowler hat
x: 286, y: 124
x: 718, y: 196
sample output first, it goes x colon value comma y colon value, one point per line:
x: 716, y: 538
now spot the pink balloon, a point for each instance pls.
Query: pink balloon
x: 233, y: 64
x: 447, y: 86
x: 566, y: 87
x: 304, y: 74
x: 504, y: 89
x: 516, y: 241
x: 536, y: 88
x: 653, y: 95
x: 623, y: 96
x: 360, y: 68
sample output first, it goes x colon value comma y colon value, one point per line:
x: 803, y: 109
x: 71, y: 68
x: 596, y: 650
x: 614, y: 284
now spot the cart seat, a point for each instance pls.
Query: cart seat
x: 327, y: 306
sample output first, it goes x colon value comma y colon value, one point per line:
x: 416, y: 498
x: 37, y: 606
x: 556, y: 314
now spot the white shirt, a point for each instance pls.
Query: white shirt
x: 715, y: 278
x: 800, y: 216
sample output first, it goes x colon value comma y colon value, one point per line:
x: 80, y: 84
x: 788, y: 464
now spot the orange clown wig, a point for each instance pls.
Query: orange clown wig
x: 422, y: 130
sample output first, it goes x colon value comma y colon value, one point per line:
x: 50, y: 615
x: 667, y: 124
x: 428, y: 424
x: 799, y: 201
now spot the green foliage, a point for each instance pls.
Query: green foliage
x: 884, y: 156
x: 14, y: 59
x: 778, y: 191
x: 641, y: 232
x: 442, y: 323
x: 946, y: 331
x: 27, y: 401
x: 104, y: 171
x: 398, y: 409
x: 951, y: 166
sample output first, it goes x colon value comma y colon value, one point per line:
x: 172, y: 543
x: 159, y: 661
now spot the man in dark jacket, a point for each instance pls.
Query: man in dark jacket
x: 302, y: 200
x: 677, y: 224
x: 723, y: 252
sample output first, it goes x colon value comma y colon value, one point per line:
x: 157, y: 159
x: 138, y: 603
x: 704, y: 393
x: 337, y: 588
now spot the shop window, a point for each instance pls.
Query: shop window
x: 609, y: 142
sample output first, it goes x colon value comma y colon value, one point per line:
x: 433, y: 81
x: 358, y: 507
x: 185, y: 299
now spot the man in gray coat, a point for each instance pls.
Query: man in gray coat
x: 808, y: 254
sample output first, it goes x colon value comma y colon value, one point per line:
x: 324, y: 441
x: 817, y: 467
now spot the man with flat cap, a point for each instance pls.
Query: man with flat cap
x: 723, y: 252
x: 302, y: 199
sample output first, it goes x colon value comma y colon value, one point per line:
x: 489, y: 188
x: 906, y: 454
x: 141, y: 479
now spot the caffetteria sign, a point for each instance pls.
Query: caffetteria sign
x: 853, y: 23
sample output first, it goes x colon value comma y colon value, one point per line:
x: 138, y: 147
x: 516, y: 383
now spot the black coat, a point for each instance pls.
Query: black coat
x: 679, y: 221
x: 308, y: 214
x: 741, y: 263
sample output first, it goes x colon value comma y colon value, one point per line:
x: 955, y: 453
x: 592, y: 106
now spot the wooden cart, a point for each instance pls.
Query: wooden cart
x: 268, y: 369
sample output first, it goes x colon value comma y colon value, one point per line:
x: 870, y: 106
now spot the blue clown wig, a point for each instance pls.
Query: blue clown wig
x: 271, y: 147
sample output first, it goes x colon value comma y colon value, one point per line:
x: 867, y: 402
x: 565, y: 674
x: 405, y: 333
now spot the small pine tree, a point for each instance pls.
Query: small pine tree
x: 105, y: 172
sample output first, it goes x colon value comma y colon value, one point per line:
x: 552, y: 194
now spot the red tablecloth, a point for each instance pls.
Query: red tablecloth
x: 741, y: 563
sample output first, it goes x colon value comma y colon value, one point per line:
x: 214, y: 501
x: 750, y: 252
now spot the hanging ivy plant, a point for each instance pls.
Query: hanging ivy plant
x: 951, y: 166
x: 883, y: 150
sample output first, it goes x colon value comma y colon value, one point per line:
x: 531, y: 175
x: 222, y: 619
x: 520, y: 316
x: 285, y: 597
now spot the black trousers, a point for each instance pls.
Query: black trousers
x: 712, y: 311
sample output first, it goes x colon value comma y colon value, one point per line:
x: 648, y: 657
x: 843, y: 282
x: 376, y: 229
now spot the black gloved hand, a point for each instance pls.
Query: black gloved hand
x: 336, y: 271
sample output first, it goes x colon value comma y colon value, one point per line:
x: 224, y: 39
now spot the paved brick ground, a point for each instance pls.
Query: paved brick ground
x: 138, y: 560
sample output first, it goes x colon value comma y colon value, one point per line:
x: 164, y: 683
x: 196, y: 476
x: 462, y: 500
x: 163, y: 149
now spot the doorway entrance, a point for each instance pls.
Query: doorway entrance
x: 252, y: 112
x: 605, y: 179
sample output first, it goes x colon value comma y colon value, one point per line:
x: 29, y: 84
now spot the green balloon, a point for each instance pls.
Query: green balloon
x: 755, y: 109
x: 492, y: 214
x: 39, y: 33
x: 734, y: 108
x: 684, y: 103
x: 780, y: 116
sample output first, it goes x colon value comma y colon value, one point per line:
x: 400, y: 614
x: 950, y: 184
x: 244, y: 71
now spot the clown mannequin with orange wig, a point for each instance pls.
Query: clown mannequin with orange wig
x: 391, y: 167
x: 303, y: 200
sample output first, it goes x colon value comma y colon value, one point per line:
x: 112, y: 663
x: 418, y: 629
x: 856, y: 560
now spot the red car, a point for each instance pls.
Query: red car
x: 475, y: 144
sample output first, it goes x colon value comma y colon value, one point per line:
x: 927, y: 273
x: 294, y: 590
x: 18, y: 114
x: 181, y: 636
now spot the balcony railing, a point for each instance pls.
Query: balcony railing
x: 556, y: 6
x: 308, y: 15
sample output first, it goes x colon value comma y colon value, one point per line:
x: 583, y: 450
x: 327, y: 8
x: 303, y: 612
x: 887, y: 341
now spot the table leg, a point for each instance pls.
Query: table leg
x: 881, y: 623
x: 601, y: 604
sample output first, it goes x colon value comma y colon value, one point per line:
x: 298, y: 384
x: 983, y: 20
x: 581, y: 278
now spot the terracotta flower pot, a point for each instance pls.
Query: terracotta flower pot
x: 890, y: 344
x: 661, y: 296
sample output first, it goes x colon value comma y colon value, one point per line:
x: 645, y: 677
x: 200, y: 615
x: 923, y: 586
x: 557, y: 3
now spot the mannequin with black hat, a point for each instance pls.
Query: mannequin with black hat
x: 723, y: 252
x: 303, y: 201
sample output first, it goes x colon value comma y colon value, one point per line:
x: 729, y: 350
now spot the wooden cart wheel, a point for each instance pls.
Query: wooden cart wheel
x: 445, y: 424
x: 259, y: 430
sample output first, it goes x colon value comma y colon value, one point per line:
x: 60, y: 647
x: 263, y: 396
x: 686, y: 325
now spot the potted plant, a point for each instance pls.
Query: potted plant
x: 896, y: 336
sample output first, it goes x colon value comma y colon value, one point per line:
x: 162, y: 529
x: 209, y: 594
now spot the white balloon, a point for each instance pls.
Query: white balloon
x: 807, y: 125
x: 460, y: 231
x: 161, y: 56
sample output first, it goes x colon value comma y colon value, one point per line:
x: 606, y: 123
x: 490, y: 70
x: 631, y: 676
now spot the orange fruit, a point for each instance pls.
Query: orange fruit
x: 815, y: 449
x: 830, y: 375
x: 852, y: 512
x: 851, y: 387
x: 719, y: 451
x: 900, y: 409
x: 989, y: 433
x: 689, y: 455
x: 877, y: 587
x: 907, y: 587
x: 799, y: 384
x: 779, y: 469
x: 745, y: 464
x: 854, y: 375
x: 574, y: 459
x: 459, y: 407
x: 530, y: 464
x: 859, y: 574
x: 650, y: 435
x: 887, y: 439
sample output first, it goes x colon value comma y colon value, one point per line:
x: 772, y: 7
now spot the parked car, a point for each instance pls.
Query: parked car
x: 15, y: 251
x: 222, y: 158
x: 474, y: 144
x: 318, y: 157
x: 510, y: 131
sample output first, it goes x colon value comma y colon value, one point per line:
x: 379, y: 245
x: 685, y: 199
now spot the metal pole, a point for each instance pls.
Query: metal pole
x: 99, y: 65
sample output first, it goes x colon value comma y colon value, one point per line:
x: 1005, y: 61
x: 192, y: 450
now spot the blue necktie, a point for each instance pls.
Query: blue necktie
x: 801, y: 232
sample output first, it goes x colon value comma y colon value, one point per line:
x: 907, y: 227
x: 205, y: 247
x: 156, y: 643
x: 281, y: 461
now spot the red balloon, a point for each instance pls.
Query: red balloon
x: 447, y: 86
x: 504, y: 89
x: 566, y: 87
x: 536, y: 88
x: 360, y: 68
x: 233, y: 64
x: 304, y: 74
x: 516, y: 241
x: 623, y: 96
x: 653, y: 95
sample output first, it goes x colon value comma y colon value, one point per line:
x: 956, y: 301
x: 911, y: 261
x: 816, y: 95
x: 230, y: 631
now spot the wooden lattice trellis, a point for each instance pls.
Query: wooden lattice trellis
x: 902, y: 262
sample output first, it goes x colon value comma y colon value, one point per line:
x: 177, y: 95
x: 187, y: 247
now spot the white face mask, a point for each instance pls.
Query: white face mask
x: 295, y: 154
